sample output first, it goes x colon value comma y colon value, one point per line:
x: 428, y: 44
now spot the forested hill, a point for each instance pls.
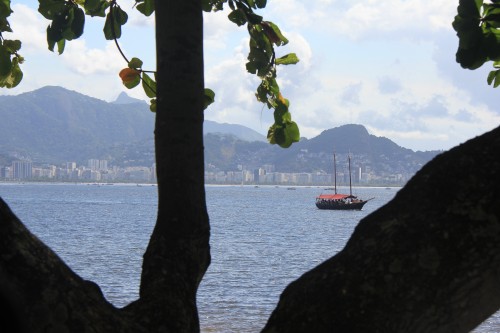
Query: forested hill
x: 54, y: 125
x: 374, y: 153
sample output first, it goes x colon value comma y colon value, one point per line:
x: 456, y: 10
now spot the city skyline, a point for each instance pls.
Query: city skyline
x: 96, y: 171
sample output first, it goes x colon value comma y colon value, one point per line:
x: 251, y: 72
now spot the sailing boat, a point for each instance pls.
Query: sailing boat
x: 339, y: 201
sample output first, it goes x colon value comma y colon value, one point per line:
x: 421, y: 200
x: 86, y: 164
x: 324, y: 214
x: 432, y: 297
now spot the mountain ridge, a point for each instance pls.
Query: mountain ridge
x: 54, y: 125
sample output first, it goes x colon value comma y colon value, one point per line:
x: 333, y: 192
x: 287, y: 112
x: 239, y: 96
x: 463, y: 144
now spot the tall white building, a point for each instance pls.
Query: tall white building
x: 70, y: 166
x: 22, y: 170
x: 93, y: 164
x: 97, y: 165
x: 103, y: 165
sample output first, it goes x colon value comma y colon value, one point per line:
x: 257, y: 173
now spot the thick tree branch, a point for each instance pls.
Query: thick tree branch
x: 178, y: 254
x: 429, y: 261
x: 42, y: 293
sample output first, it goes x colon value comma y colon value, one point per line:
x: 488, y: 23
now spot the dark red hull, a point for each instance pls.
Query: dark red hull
x: 340, y: 205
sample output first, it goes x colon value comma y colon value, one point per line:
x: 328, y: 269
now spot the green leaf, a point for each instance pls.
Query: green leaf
x: 262, y: 93
x: 209, y: 98
x: 78, y: 22
x: 261, y: 3
x: 491, y: 77
x: 251, y: 67
x: 469, y: 9
x: 13, y: 78
x: 494, y: 77
x: 289, y: 59
x: 109, y: 28
x: 50, y: 9
x: 5, y: 10
x: 147, y: 7
x: 132, y: 83
x: 283, y: 135
x: 135, y: 63
x: 238, y: 16
x: 61, y: 45
x: 212, y: 5
x: 292, y: 134
x: 273, y: 86
x: 280, y: 114
x: 260, y: 41
x: 5, y: 61
x: 470, y: 59
x: 152, y: 106
x: 274, y: 33
x: 96, y: 7
x: 149, y: 85
x: 114, y: 20
x: 92, y: 5
x: 4, y: 25
x: 254, y: 18
x: 120, y: 15
x: 12, y: 46
x: 271, y: 134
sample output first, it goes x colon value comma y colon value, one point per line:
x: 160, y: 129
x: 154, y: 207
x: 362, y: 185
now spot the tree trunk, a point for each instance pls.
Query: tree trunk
x: 46, y: 296
x: 429, y: 261
x: 39, y: 293
x: 178, y: 254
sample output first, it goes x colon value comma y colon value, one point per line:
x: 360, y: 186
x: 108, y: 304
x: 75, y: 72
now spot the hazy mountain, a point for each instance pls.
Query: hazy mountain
x: 123, y: 98
x: 369, y: 152
x: 55, y: 125
x: 241, y: 132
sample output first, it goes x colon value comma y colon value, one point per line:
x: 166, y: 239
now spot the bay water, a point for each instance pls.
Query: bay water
x: 262, y: 238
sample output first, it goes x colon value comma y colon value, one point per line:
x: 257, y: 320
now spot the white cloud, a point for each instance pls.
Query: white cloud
x: 234, y: 88
x: 29, y: 27
x: 85, y: 61
x: 393, y: 61
x: 365, y: 20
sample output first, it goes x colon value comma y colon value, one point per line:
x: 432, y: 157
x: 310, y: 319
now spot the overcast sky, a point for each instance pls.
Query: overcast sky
x: 388, y: 65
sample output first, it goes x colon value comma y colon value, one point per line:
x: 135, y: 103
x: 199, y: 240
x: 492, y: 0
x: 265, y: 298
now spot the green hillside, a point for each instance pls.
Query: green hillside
x: 53, y: 124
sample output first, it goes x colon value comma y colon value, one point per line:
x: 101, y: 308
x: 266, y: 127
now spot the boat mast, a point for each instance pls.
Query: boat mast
x: 350, y: 181
x: 335, y: 172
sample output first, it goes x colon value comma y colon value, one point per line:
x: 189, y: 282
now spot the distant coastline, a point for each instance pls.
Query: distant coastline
x: 129, y: 183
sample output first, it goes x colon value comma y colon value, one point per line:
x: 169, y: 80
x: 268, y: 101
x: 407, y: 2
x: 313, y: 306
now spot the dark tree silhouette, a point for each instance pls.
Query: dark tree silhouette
x: 429, y: 261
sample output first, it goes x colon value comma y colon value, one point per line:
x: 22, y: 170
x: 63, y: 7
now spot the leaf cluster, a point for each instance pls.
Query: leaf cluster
x: 477, y: 24
x: 67, y: 22
x: 134, y: 74
x: 10, y: 59
x: 262, y: 61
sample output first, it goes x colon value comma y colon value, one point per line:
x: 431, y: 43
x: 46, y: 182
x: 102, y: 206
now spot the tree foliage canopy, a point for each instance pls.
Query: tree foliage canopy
x: 477, y: 24
x: 67, y: 21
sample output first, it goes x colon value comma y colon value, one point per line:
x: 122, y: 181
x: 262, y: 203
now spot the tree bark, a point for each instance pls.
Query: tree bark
x: 178, y: 254
x: 428, y: 261
x: 45, y: 295
x: 39, y: 293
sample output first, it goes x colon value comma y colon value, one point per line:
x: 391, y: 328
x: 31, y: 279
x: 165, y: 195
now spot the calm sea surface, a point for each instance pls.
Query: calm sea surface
x: 262, y: 239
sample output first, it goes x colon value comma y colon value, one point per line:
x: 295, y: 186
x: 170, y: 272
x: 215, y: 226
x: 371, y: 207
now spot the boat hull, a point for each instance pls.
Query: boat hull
x: 336, y: 205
